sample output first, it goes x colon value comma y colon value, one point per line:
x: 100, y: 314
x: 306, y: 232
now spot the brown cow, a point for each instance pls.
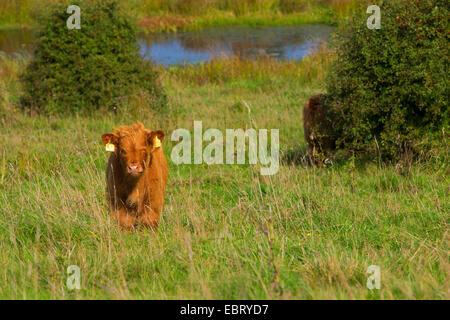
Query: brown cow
x: 317, y: 128
x: 136, y: 175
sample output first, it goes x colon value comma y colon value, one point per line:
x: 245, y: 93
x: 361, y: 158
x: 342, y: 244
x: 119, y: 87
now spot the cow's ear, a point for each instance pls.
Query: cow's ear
x: 159, y: 134
x: 154, y: 138
x: 110, y: 138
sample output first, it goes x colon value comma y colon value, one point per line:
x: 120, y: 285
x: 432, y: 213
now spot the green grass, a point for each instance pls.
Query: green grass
x: 172, y: 15
x: 260, y: 70
x: 226, y: 232
x: 168, y: 22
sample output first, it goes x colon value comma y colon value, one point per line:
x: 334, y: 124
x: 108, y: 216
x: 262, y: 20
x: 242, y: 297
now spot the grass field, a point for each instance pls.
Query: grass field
x: 172, y: 15
x: 226, y: 231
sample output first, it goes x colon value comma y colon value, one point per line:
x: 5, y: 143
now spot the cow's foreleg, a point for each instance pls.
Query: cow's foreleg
x: 149, y: 218
x: 126, y: 220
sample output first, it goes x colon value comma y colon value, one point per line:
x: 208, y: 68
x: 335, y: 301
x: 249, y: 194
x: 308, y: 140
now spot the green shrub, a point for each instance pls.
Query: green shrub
x: 95, y: 67
x: 388, y: 88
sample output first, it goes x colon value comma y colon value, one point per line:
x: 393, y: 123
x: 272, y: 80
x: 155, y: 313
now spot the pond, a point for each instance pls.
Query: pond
x: 284, y: 43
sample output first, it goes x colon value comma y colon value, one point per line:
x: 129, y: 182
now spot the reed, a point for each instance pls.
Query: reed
x: 10, y: 88
x: 311, y: 69
x: 15, y: 12
x: 171, y: 15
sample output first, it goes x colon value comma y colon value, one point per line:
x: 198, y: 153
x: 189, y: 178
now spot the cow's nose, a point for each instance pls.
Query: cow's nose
x: 133, y: 167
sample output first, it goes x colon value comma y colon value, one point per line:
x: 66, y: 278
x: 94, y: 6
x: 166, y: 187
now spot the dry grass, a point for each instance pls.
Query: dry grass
x: 265, y: 68
x: 343, y: 8
x: 171, y: 15
x: 9, y: 86
x: 165, y: 23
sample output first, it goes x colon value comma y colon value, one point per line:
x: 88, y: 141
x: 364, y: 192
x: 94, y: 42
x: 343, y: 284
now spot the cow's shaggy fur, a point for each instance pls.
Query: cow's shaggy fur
x: 136, y: 176
x: 317, y: 128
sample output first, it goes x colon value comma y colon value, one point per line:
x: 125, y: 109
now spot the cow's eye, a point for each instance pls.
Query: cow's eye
x: 122, y: 151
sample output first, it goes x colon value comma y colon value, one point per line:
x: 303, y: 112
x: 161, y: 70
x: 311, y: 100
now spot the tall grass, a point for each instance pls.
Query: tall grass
x: 343, y: 8
x: 265, y: 68
x: 226, y: 231
x: 238, y: 7
x: 10, y: 88
x: 16, y: 12
x: 156, y: 15
x: 169, y: 15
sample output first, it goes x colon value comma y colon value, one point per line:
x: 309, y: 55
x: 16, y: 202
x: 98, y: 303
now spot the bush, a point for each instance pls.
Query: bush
x: 388, y: 88
x: 95, y: 67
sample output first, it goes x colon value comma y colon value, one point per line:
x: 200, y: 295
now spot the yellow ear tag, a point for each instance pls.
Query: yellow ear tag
x: 110, y: 147
x: 156, y: 143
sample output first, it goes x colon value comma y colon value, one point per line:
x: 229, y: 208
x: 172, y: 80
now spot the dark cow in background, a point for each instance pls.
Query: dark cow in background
x: 317, y: 127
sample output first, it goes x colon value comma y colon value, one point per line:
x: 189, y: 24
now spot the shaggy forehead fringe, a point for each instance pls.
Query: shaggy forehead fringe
x: 130, y: 130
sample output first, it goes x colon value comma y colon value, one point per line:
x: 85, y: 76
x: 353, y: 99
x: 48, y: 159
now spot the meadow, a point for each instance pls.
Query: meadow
x: 226, y: 231
x: 173, y: 15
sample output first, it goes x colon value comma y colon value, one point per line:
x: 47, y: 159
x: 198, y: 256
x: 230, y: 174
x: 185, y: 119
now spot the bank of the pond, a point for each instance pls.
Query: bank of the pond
x: 173, y: 23
x: 155, y: 16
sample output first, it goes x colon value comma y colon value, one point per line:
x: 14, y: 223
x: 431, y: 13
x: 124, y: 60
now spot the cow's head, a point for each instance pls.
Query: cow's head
x: 134, y: 146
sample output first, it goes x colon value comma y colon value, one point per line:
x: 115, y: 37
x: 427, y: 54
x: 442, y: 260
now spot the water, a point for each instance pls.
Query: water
x: 283, y: 43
